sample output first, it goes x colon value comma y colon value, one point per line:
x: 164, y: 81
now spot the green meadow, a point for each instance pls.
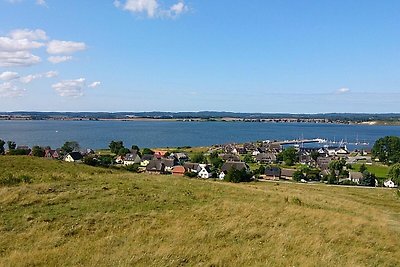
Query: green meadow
x: 62, y: 214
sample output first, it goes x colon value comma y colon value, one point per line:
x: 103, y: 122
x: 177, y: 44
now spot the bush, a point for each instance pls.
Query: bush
x: 191, y: 174
x: 11, y: 180
x: 133, y: 168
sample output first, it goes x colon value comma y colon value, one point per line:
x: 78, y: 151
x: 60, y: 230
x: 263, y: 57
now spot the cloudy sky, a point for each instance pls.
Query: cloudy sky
x: 190, y: 55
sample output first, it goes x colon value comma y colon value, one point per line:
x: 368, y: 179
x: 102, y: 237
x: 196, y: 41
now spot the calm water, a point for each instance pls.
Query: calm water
x: 98, y: 134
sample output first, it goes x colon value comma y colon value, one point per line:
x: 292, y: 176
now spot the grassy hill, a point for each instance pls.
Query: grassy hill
x: 55, y: 213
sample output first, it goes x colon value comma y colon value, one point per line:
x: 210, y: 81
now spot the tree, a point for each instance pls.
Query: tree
x: 216, y: 162
x: 70, y: 146
x: 394, y: 173
x: 298, y: 175
x: 314, y: 155
x: 2, y: 150
x: 363, y: 168
x: 147, y: 151
x: 289, y: 156
x: 368, y: 179
x: 135, y: 147
x: 236, y: 176
x: 123, y: 151
x: 11, y: 145
x: 387, y: 149
x: 37, y: 151
x: 198, y: 158
x: 248, y: 159
x: 115, y: 146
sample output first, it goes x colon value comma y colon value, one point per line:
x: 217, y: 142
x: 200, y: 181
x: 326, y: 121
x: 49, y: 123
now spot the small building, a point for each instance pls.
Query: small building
x: 272, y: 173
x: 155, y: 166
x: 205, y: 171
x: 287, y: 173
x: 265, y: 158
x: 355, y: 177
x: 132, y: 158
x: 389, y: 183
x: 178, y: 170
x: 192, y: 167
x: 146, y: 160
x: 73, y: 157
x: 237, y: 165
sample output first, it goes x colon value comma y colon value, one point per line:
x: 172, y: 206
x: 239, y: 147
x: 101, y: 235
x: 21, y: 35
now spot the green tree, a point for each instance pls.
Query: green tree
x: 363, y: 168
x: 289, y: 156
x: 147, y: 151
x: 298, y: 175
x: 37, y: 151
x: 216, y: 162
x: 387, y: 149
x: 70, y: 146
x: 314, y: 155
x: 394, y: 173
x: 248, y: 159
x: 115, y: 146
x: 90, y: 160
x: 236, y: 176
x: 135, y: 147
x: 123, y: 151
x: 368, y: 179
x: 2, y: 150
x: 198, y: 158
x: 11, y: 145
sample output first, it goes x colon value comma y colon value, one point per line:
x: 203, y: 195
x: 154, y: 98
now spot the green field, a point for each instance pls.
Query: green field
x: 381, y: 171
x: 76, y: 215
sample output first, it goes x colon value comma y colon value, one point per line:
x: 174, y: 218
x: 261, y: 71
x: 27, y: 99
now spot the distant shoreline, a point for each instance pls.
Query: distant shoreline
x: 225, y: 119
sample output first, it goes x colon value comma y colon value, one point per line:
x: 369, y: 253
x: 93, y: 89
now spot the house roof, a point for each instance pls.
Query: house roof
x: 191, y: 166
x: 272, y: 171
x: 168, y: 162
x: 155, y: 165
x: 287, y: 172
x: 178, y: 169
x: 75, y: 155
x: 355, y: 175
x: 131, y: 157
x: 233, y: 165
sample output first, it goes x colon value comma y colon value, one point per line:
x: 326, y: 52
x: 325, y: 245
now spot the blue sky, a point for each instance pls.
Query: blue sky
x: 174, y: 55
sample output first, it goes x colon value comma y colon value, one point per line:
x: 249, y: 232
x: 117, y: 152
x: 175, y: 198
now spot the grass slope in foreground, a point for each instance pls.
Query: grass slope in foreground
x: 78, y: 215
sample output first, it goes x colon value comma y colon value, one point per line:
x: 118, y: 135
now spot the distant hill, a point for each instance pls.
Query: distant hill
x: 354, y: 117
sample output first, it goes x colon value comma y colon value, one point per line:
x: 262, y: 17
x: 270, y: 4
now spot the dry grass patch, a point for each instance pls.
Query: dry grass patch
x: 98, y: 217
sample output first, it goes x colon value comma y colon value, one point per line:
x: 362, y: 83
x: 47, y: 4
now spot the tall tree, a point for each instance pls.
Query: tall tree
x: 70, y: 146
x: 394, y: 173
x: 115, y: 146
x: 37, y: 151
x: 387, y: 149
x: 2, y: 150
x: 289, y: 156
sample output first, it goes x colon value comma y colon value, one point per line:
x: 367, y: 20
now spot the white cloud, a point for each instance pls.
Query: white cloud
x: 343, y: 90
x: 20, y: 34
x: 29, y: 78
x: 152, y: 8
x: 41, y: 3
x: 94, y: 84
x: 178, y: 9
x: 64, y: 47
x: 18, y: 59
x: 8, y: 76
x: 58, y: 59
x: 8, y: 89
x: 70, y: 88
x: 10, y: 44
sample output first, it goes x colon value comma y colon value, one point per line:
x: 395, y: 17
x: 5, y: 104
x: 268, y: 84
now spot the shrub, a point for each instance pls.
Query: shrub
x: 10, y: 180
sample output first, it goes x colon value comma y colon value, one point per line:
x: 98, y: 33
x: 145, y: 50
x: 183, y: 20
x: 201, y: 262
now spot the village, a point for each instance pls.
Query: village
x: 261, y: 161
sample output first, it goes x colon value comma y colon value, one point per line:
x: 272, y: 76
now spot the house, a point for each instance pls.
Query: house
x: 146, y: 159
x: 191, y: 167
x: 229, y: 157
x: 272, y: 173
x: 287, y: 173
x: 181, y: 157
x: 160, y: 153
x: 119, y: 160
x: 205, y: 171
x: 323, y: 162
x: 237, y: 165
x: 178, y: 170
x: 73, y: 157
x: 389, y: 183
x: 355, y: 177
x: 168, y: 164
x: 51, y: 154
x: 155, y: 166
x: 266, y: 158
x: 241, y: 150
x: 132, y: 158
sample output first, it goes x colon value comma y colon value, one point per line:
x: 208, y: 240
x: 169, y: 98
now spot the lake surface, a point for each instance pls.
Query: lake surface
x: 98, y: 134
